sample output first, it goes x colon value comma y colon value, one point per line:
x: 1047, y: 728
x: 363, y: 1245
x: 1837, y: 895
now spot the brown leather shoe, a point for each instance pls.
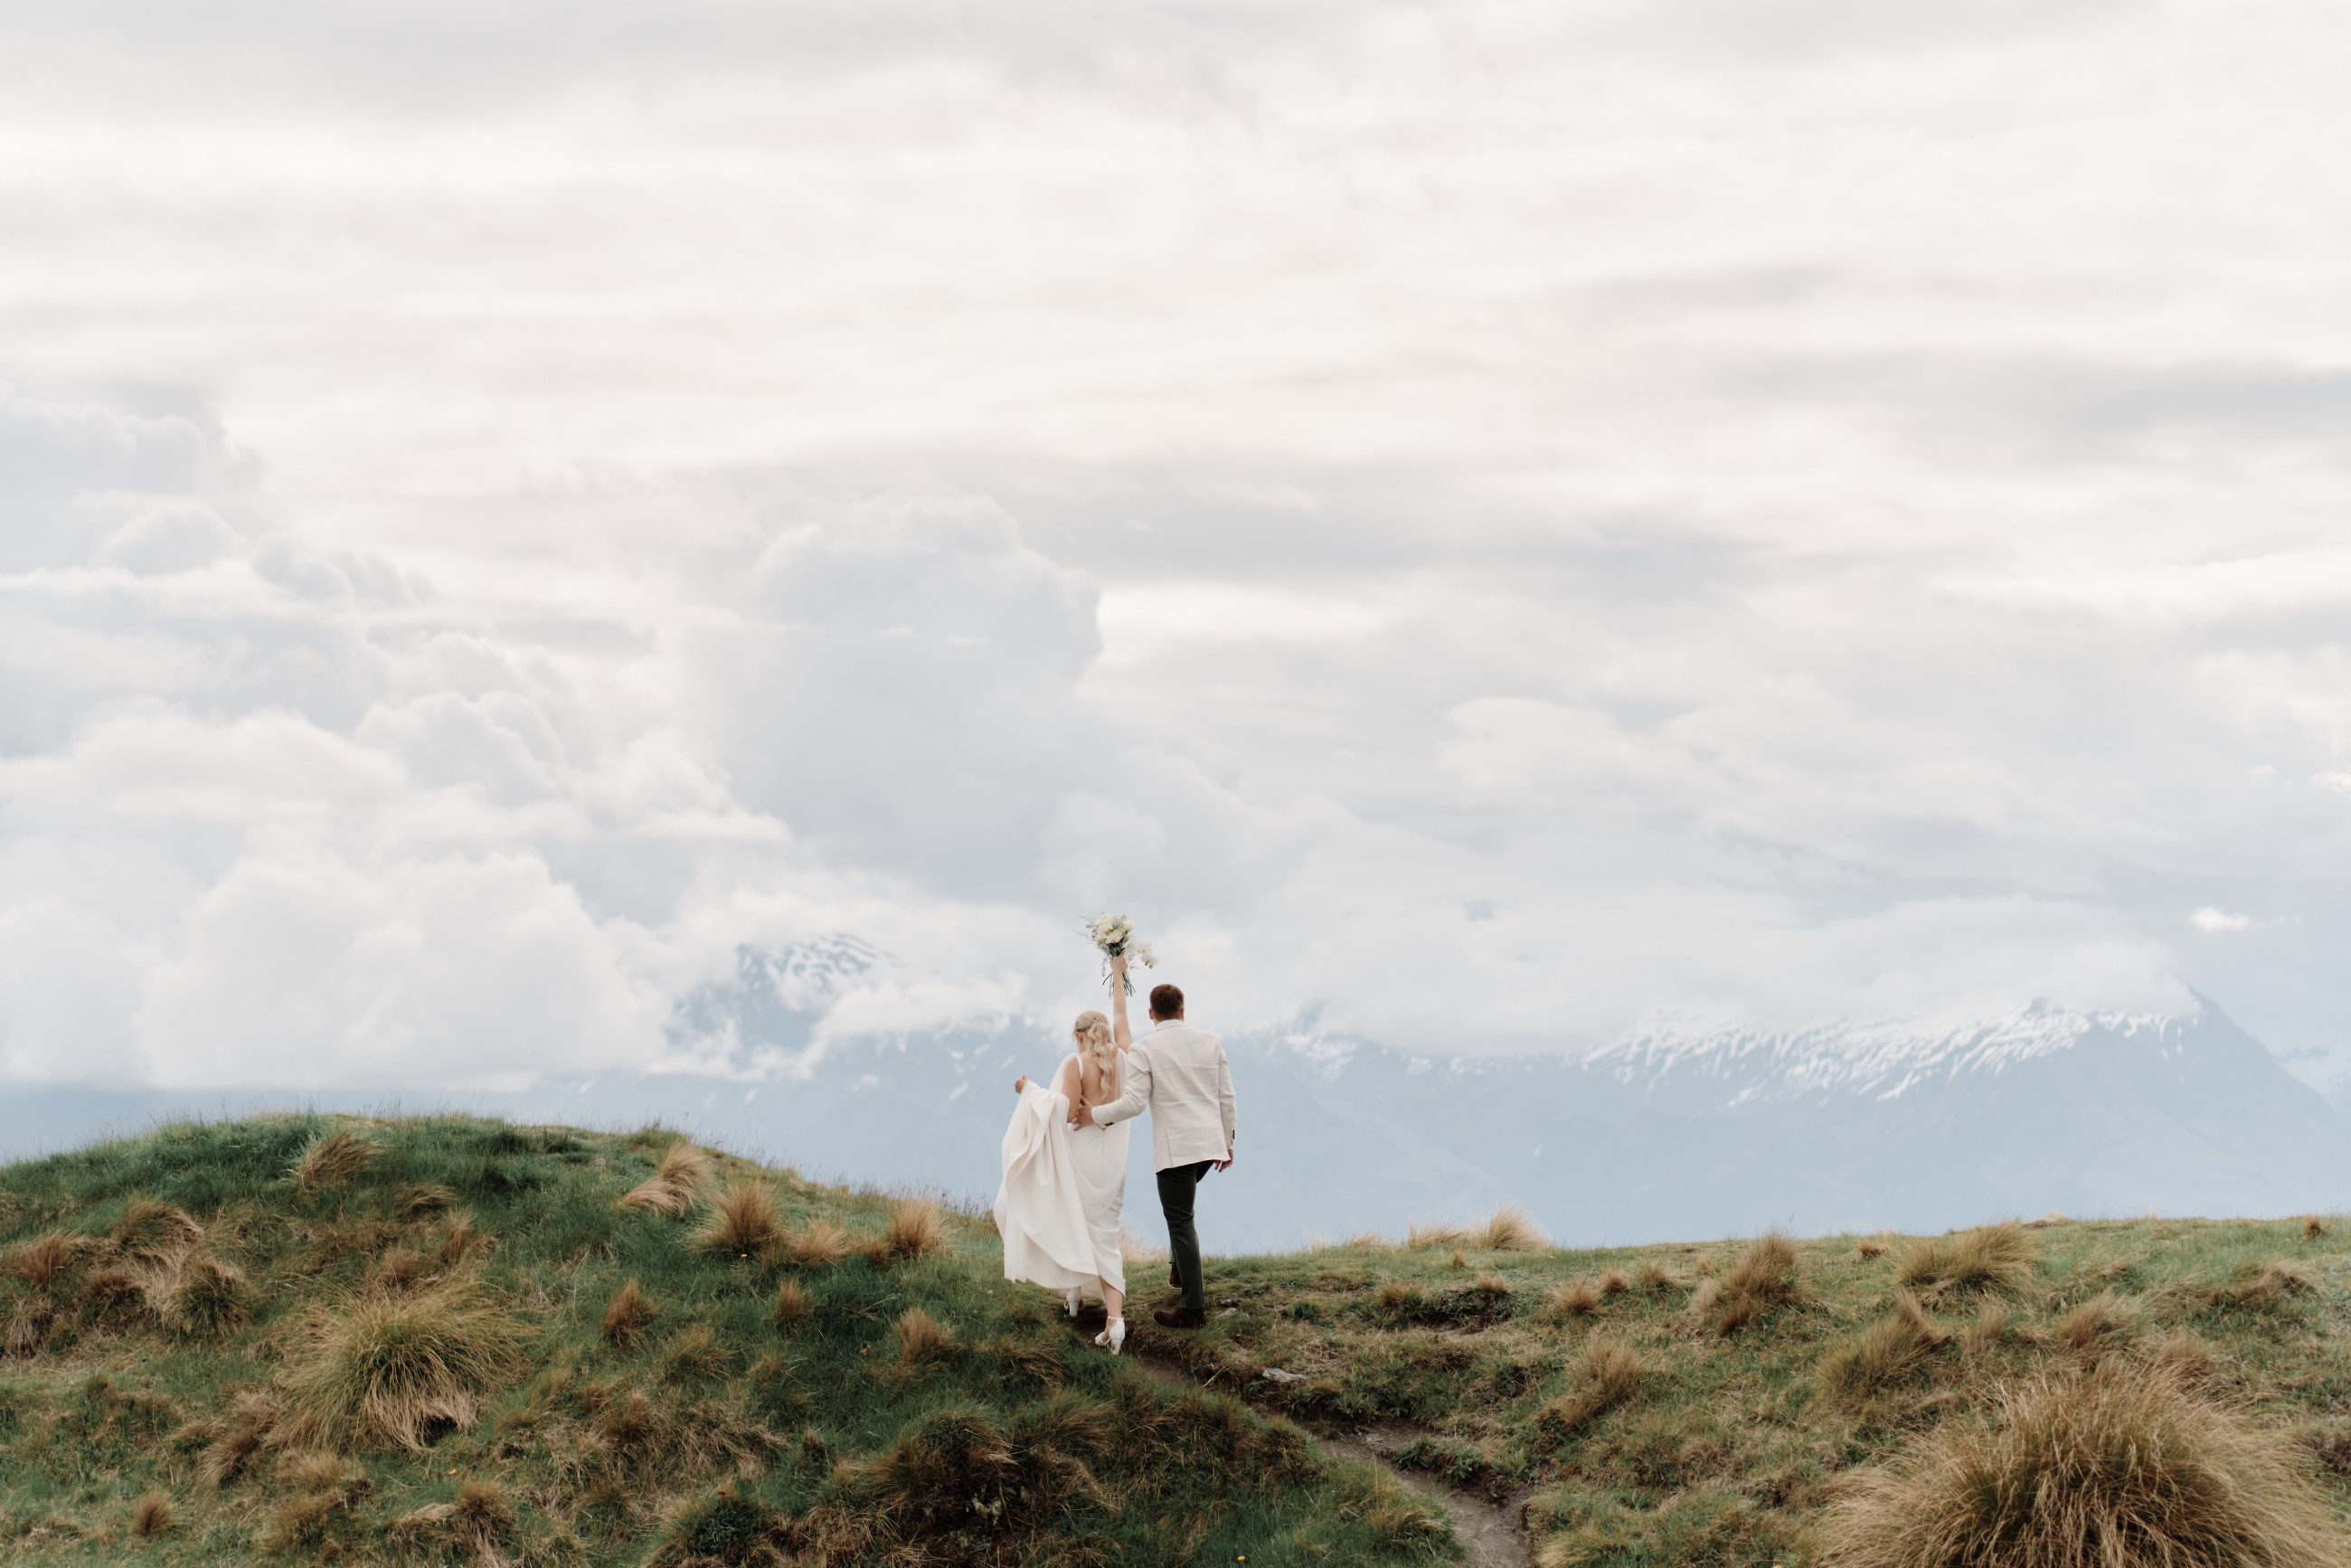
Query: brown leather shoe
x: 1180, y: 1319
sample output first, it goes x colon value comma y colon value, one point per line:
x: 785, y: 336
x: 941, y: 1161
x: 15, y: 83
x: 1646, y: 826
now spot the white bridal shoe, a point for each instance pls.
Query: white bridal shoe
x: 1113, y: 1336
x: 1070, y: 1302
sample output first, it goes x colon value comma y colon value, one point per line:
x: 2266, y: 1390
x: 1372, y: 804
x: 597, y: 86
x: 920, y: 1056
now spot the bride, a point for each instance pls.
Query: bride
x: 1063, y: 1186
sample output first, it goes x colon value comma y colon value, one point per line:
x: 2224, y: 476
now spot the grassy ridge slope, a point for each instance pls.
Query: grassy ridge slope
x: 1701, y: 1404
x: 440, y: 1340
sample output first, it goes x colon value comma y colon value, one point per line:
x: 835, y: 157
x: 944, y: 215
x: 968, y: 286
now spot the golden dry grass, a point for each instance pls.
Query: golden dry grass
x: 46, y: 1259
x: 742, y: 1222
x: 1508, y: 1228
x: 1428, y: 1234
x: 335, y: 1157
x: 792, y: 1304
x: 2313, y: 1227
x: 1873, y: 1246
x: 381, y: 1370
x: 1572, y: 1299
x: 154, y: 1233
x: 461, y: 1241
x: 2095, y: 1323
x: 2266, y: 1286
x: 1993, y: 1327
x: 1764, y: 1279
x: 818, y: 1244
x: 694, y: 1355
x: 921, y: 1338
x: 625, y: 1315
x: 1490, y: 1283
x: 480, y: 1522
x: 1613, y: 1283
x: 677, y: 1181
x: 916, y: 1230
x: 205, y: 1297
x: 1884, y: 1354
x: 1988, y: 1258
x: 1655, y: 1278
x: 152, y: 1515
x: 425, y: 1197
x: 2107, y: 1468
x: 1608, y: 1373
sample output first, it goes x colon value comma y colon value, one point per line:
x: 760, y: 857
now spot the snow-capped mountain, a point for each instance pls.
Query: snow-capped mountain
x: 1678, y: 1129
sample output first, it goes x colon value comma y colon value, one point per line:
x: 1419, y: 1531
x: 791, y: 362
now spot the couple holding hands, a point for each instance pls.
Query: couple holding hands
x: 1065, y: 1156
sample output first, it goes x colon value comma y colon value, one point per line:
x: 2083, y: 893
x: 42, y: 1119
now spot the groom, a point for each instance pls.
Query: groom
x: 1178, y: 1073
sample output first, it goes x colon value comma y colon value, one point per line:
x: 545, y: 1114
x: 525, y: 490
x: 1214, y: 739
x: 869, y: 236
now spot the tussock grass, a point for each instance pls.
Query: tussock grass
x: 1765, y: 1279
x: 818, y: 1244
x: 1884, y: 1354
x: 1656, y: 1277
x: 205, y: 1297
x: 1508, y: 1228
x: 921, y: 1338
x: 28, y: 1331
x: 1572, y: 1299
x: 320, y: 1489
x: 1607, y: 1374
x: 625, y: 1315
x: 481, y: 1520
x: 46, y: 1259
x: 1877, y: 1246
x: 400, y: 1269
x: 1613, y: 1283
x: 155, y: 1233
x: 2095, y: 1324
x: 676, y: 1183
x: 463, y: 1242
x: 1989, y: 1258
x: 696, y: 1355
x: 2266, y: 1286
x: 381, y: 1370
x: 1423, y: 1235
x: 2115, y: 1466
x: 743, y: 1222
x: 1489, y: 1284
x: 152, y: 1515
x: 2313, y: 1227
x: 425, y: 1197
x: 916, y: 1230
x: 792, y: 1305
x: 1994, y: 1326
x: 332, y: 1159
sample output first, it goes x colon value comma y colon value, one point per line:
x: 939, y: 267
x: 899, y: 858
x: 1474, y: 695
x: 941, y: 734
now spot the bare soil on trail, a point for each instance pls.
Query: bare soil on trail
x: 1492, y: 1533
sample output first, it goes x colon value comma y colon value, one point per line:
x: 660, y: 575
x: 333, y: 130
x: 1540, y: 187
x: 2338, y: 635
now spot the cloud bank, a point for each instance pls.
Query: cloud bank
x: 1491, y: 524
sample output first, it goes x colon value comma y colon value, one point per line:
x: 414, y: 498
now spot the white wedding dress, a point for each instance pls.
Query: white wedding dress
x: 1058, y: 1209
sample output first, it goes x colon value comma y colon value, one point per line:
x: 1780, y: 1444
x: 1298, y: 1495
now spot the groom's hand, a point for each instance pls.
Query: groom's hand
x: 1227, y: 1162
x: 1084, y: 1116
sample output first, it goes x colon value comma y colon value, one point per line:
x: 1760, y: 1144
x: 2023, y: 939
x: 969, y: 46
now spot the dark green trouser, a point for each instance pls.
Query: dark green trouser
x: 1177, y: 1185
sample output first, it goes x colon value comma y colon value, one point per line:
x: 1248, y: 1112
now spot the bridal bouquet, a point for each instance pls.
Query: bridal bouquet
x: 1114, y: 934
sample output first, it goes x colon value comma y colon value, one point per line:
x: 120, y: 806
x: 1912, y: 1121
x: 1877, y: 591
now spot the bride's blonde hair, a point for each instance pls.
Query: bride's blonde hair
x: 1094, y: 1039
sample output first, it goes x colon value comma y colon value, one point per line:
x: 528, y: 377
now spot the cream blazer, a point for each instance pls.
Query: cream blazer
x: 1178, y: 1073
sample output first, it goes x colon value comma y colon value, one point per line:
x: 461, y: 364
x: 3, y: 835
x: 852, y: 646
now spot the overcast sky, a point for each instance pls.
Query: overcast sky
x: 1494, y: 521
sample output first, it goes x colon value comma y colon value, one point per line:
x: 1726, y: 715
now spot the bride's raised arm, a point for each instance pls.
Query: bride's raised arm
x: 1119, y: 1032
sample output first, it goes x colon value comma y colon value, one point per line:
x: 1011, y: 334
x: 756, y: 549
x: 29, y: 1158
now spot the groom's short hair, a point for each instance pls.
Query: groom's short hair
x: 1166, y: 1001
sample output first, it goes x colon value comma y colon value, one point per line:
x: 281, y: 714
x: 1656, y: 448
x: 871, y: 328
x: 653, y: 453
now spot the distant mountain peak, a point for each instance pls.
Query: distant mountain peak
x: 1878, y: 1058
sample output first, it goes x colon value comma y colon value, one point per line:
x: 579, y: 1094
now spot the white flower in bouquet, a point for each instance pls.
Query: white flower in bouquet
x: 1114, y: 934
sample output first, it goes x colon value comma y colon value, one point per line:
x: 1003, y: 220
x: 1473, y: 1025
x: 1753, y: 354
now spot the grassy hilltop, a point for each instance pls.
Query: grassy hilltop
x: 443, y: 1340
